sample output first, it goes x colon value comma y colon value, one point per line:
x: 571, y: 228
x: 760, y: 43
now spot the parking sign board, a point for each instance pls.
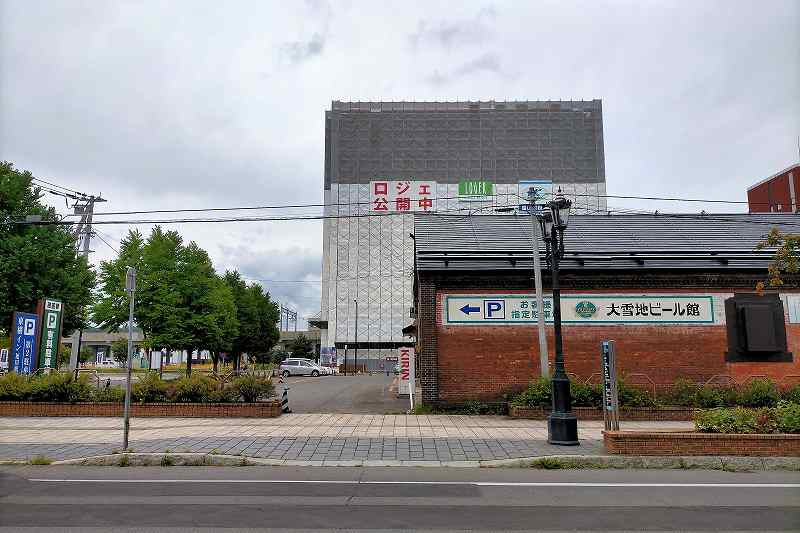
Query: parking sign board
x: 51, y: 333
x: 23, y: 345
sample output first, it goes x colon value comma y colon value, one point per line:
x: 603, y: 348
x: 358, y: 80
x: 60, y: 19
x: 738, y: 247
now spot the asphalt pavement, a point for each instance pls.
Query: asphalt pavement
x: 48, y: 498
x: 374, y: 394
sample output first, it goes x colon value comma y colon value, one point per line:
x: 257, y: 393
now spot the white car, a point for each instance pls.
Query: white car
x: 302, y: 367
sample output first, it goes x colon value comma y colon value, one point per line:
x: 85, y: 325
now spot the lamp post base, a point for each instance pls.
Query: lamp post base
x: 562, y: 429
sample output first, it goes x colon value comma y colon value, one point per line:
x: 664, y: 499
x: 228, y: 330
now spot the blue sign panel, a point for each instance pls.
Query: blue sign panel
x: 26, y: 327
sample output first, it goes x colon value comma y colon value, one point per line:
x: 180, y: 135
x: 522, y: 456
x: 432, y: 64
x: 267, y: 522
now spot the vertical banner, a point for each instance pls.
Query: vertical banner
x: 406, y: 385
x: 23, y: 344
x: 3, y: 358
x: 610, y: 397
x: 51, y: 333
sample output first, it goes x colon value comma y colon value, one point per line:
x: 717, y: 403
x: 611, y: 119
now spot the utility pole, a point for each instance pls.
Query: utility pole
x: 537, y: 282
x: 130, y: 287
x: 355, y: 347
x: 83, y: 236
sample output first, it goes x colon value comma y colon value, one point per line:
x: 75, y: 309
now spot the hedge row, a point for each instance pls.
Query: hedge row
x: 147, y: 388
x: 756, y: 393
x: 783, y: 418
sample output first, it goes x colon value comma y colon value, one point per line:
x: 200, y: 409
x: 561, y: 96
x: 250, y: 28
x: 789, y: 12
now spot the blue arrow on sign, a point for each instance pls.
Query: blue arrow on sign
x: 467, y: 309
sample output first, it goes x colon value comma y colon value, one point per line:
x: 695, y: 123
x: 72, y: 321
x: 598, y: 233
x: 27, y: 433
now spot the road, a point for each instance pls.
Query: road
x: 344, y: 394
x: 324, y: 499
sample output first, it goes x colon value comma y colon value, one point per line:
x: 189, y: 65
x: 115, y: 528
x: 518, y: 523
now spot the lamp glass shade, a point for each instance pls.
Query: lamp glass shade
x: 547, y: 225
x: 560, y: 207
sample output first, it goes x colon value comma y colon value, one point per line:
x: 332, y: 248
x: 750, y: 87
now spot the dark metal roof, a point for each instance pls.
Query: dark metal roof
x: 663, y: 241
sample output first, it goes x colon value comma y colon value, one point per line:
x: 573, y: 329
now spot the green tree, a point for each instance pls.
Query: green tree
x: 110, y: 309
x: 119, y: 351
x: 301, y: 346
x: 86, y: 355
x: 258, y: 319
x: 37, y: 261
x: 786, y: 259
x: 207, y: 303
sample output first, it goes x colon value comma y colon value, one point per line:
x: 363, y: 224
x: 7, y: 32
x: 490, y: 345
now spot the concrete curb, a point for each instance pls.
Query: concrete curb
x: 554, y: 462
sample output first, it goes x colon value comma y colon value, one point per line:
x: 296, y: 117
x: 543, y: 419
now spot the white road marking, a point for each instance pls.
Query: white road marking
x: 473, y: 483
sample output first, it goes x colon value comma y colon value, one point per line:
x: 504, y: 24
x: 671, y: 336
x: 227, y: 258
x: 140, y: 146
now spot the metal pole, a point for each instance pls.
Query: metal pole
x: 562, y: 425
x: 537, y: 282
x: 86, y: 226
x: 355, y: 348
x: 130, y: 286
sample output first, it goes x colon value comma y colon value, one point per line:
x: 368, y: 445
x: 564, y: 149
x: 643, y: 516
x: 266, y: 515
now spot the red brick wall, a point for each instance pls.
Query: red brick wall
x: 485, y: 362
x: 651, y: 443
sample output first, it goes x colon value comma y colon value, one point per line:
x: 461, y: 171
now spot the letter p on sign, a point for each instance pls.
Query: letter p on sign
x: 494, y: 309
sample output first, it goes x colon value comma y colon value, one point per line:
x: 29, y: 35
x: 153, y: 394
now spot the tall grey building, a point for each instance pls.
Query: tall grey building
x: 465, y: 158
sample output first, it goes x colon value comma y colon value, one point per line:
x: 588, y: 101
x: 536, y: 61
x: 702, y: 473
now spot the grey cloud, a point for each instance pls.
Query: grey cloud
x: 290, y: 275
x: 301, y: 51
x: 488, y: 62
x: 463, y: 32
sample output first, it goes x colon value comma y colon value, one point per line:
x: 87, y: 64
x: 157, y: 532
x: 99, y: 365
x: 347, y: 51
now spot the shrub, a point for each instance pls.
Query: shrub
x: 787, y: 415
x: 14, y: 387
x: 759, y: 393
x: 149, y: 388
x: 109, y: 395
x: 683, y: 392
x: 536, y: 395
x: 634, y: 396
x: 736, y: 420
x: 252, y: 388
x: 224, y: 394
x: 56, y: 387
x: 585, y: 395
x: 477, y: 407
x: 790, y: 395
x: 709, y: 396
x: 194, y: 388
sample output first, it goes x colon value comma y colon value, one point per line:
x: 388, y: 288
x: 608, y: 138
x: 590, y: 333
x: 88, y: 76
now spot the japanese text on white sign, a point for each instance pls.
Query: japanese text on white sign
x: 399, y: 196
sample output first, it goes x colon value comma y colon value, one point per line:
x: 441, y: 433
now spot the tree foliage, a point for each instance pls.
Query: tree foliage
x: 37, y: 261
x: 786, y: 259
x: 180, y: 301
x: 302, y: 346
x: 119, y: 351
x: 258, y: 318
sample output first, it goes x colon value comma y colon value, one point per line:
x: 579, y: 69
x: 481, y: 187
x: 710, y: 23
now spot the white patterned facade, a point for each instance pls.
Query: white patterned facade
x: 371, y: 259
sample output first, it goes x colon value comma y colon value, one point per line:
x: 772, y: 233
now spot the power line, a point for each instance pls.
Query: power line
x: 59, y: 186
x: 350, y: 204
x: 106, y: 242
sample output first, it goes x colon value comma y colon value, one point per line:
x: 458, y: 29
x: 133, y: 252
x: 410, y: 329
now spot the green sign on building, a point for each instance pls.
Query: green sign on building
x: 475, y: 190
x: 52, y: 311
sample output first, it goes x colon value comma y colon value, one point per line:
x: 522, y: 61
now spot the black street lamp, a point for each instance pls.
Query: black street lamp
x: 562, y: 425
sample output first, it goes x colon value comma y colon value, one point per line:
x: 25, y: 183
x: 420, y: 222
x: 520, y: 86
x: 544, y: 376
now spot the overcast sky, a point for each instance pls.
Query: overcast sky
x: 167, y: 105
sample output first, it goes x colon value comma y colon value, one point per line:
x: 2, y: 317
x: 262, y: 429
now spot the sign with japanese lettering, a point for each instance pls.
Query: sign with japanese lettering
x: 23, y: 344
x: 504, y: 309
x: 4, y: 358
x: 399, y: 196
x: 51, y: 333
x: 475, y: 190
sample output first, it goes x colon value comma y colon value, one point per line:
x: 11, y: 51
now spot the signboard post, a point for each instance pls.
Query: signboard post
x: 407, y: 378
x: 610, y: 397
x: 52, y: 311
x: 23, y: 344
x: 3, y: 358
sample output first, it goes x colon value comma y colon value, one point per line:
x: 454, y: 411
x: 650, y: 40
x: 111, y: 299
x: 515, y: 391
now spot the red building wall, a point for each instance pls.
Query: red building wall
x: 485, y: 362
x: 774, y: 193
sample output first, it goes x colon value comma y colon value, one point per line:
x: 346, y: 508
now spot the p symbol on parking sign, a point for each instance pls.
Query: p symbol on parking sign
x: 494, y: 309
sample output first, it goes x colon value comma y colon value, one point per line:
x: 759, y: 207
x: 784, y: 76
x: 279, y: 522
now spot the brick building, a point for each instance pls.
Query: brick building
x: 779, y: 193
x: 661, y: 286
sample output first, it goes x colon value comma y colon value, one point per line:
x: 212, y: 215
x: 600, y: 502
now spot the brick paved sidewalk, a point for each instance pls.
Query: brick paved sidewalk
x: 304, y: 437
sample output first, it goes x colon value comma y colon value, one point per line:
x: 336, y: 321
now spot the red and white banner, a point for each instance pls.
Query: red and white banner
x: 398, y: 196
x: 406, y: 386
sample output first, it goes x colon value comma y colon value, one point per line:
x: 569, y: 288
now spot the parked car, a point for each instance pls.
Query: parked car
x: 301, y: 367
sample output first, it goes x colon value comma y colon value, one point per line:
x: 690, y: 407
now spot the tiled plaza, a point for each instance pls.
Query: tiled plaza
x: 304, y: 437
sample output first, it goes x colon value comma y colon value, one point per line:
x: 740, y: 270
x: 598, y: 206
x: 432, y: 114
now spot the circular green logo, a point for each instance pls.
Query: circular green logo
x: 585, y: 309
